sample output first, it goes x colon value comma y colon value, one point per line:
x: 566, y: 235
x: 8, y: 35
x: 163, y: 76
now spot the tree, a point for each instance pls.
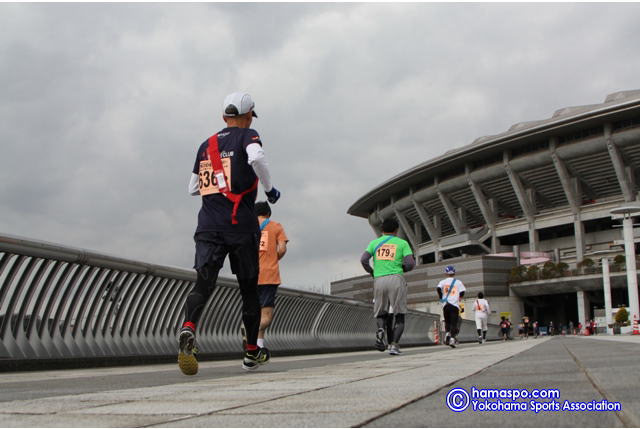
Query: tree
x: 619, y: 262
x: 548, y: 270
x: 622, y: 315
x: 561, y: 268
x: 586, y: 264
x: 517, y: 273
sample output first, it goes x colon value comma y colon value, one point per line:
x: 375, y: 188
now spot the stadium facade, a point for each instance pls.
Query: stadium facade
x: 540, y: 192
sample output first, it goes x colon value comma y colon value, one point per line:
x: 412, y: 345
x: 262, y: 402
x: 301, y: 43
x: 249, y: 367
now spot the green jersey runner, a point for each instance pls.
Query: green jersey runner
x: 388, y: 252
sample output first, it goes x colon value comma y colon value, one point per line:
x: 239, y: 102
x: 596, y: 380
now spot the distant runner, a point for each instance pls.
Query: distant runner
x: 482, y: 311
x: 525, y: 326
x: 226, y: 172
x: 460, y: 317
x: 392, y: 256
x: 504, y: 328
x: 273, y: 246
x: 450, y: 290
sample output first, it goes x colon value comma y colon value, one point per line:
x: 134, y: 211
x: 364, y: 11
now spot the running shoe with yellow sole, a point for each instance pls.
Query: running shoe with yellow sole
x: 187, y: 355
x: 265, y: 356
x: 255, y: 358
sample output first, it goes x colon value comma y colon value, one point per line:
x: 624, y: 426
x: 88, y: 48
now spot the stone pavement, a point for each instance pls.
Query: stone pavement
x: 333, y: 390
x: 624, y: 338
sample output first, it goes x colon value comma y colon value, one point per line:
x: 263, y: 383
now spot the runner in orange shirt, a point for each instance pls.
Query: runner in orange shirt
x: 273, y: 246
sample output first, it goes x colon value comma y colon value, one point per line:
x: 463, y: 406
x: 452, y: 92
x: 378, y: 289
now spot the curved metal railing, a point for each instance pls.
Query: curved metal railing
x: 64, y: 302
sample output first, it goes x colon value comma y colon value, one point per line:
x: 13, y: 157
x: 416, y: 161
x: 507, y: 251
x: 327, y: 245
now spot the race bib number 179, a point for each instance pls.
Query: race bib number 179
x: 386, y: 252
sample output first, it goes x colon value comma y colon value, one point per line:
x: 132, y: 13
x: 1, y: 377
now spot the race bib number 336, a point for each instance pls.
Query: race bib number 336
x: 386, y: 252
x: 207, y: 181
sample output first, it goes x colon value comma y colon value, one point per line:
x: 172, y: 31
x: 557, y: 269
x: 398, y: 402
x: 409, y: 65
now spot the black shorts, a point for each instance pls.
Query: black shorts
x: 212, y: 247
x: 267, y: 295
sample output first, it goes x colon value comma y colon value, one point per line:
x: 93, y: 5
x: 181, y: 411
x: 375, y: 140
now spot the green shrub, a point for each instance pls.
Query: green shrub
x: 586, y: 263
x: 532, y: 272
x: 562, y: 268
x: 622, y: 315
x: 548, y: 270
x: 619, y: 260
x: 517, y: 273
x: 586, y: 266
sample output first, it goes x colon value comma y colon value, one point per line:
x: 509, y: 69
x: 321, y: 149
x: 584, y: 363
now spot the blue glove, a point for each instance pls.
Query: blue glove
x: 273, y: 195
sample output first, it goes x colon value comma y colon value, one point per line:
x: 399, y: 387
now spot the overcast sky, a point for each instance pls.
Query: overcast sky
x: 103, y: 106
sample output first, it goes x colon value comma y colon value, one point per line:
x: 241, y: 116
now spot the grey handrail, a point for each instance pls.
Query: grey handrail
x: 61, y: 302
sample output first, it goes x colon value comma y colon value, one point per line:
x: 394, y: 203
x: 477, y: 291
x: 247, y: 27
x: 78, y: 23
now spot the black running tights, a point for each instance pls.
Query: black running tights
x: 393, y: 325
x: 205, y: 285
x: 451, y: 314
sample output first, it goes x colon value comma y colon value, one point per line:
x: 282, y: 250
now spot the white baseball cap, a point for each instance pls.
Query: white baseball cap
x: 237, y: 104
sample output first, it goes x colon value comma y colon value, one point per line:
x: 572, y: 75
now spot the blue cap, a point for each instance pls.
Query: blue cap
x: 450, y: 269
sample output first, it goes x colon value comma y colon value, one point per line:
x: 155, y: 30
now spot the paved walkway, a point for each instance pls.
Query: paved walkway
x: 334, y: 390
x: 624, y: 338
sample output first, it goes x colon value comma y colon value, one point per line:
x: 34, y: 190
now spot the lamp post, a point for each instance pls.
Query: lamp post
x: 606, y: 280
x: 627, y: 212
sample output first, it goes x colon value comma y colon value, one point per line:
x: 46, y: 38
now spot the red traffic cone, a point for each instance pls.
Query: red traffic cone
x: 636, y: 331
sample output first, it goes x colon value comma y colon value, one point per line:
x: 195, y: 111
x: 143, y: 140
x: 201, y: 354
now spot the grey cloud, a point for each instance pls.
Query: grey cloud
x: 104, y: 105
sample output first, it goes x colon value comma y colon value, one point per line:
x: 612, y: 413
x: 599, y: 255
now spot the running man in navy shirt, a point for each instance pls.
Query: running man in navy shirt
x: 226, y: 172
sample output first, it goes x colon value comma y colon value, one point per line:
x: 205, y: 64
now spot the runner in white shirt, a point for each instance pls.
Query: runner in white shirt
x: 482, y: 310
x: 450, y: 290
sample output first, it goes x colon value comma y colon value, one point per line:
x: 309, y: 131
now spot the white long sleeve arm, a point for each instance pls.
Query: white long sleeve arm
x: 194, y: 188
x: 258, y: 161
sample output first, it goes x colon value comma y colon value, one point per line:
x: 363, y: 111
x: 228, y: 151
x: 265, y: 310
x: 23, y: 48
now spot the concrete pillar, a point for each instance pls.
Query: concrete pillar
x: 607, y: 293
x: 376, y: 230
x: 630, y: 260
x: 462, y: 215
x: 556, y: 255
x: 578, y: 229
x: 437, y: 225
x: 583, y: 308
x: 401, y: 233
x: 516, y: 254
x: 375, y: 221
x: 417, y: 231
x: 533, y: 237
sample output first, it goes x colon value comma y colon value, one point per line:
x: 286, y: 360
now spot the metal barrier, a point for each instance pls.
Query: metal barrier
x: 468, y: 332
x: 59, y: 302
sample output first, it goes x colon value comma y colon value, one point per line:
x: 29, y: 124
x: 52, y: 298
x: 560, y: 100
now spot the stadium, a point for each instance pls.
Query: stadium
x: 524, y: 215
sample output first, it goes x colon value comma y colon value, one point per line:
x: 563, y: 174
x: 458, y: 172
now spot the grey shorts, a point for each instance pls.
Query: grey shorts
x: 389, y: 295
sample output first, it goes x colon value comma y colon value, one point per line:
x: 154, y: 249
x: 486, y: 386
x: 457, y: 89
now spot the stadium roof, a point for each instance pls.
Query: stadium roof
x: 621, y: 105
